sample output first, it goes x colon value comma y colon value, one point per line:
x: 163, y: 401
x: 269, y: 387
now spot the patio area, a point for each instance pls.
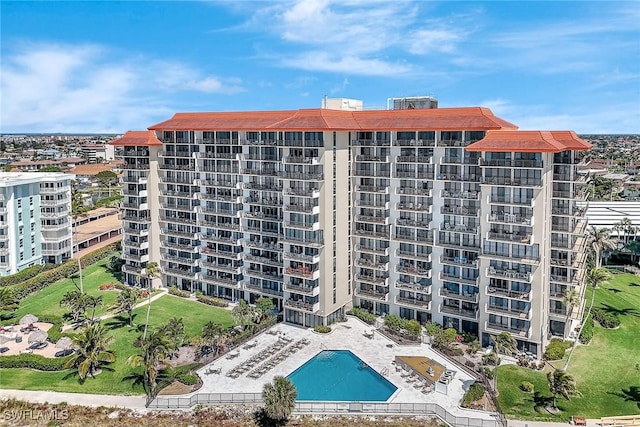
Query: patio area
x: 282, y: 349
x: 16, y: 338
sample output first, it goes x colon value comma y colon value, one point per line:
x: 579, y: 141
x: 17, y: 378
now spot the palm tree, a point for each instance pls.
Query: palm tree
x: 279, y: 398
x: 563, y: 384
x: 502, y: 343
x: 126, y: 301
x: 242, y: 313
x: 76, y: 302
x: 150, y: 272
x: 93, y: 302
x: 600, y: 241
x: 212, y: 335
x: 594, y: 278
x: 570, y: 299
x: 153, y: 351
x: 78, y: 209
x: 264, y: 307
x: 92, y: 345
x: 174, y: 330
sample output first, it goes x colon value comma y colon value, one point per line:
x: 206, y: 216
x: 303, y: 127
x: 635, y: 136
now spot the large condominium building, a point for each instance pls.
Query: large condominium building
x: 35, y: 223
x: 449, y: 215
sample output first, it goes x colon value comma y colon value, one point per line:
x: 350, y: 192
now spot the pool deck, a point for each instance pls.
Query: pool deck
x: 378, y: 352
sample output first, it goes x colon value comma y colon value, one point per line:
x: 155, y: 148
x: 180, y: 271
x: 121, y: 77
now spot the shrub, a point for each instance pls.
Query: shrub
x: 433, y: 329
x: 587, y: 331
x: 474, y: 347
x: 25, y: 274
x: 468, y: 337
x: 413, y: 328
x: 527, y: 387
x: 555, y: 350
x: 470, y: 364
x: 393, y: 322
x: 606, y: 320
x: 55, y: 332
x: 188, y: 379
x: 363, y: 315
x: 475, y: 393
x: 107, y: 286
x: 322, y: 329
x: 34, y: 361
x: 491, y: 359
x: 173, y: 290
x: 487, y: 371
x: 216, y: 302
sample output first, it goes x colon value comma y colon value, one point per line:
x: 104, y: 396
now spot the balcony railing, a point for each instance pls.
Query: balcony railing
x: 376, y: 280
x: 471, y: 195
x: 522, y: 332
x: 301, y: 289
x: 301, y: 305
x: 472, y: 314
x: 415, y: 302
x: 372, y: 294
x: 465, y: 296
x: 505, y: 292
x: 413, y: 286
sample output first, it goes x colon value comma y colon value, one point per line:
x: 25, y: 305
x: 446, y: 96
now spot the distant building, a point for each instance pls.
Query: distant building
x: 98, y: 152
x: 35, y: 223
x: 36, y: 165
x: 86, y: 172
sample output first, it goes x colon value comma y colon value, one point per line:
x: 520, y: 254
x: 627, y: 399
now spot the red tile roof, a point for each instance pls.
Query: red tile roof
x: 467, y: 118
x: 138, y: 138
x: 529, y: 142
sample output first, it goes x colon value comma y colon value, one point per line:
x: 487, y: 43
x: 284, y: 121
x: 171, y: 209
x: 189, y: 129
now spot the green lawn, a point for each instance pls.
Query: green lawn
x: 48, y: 299
x: 194, y: 315
x: 605, y: 370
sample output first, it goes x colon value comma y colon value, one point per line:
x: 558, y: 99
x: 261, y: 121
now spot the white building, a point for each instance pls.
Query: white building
x: 35, y: 219
x: 449, y: 215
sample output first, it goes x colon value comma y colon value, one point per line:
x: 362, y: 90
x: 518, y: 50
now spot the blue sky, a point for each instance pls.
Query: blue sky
x: 114, y: 66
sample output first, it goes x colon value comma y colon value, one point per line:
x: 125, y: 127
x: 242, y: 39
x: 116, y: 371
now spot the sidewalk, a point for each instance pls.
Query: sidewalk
x: 130, y: 402
x: 518, y: 423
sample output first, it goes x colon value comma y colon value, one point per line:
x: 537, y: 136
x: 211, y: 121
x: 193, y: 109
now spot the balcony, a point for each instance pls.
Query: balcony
x: 372, y: 219
x: 257, y: 244
x: 417, y: 207
x: 372, y: 294
x: 221, y: 281
x: 263, y: 201
x: 460, y: 210
x: 465, y: 296
x: 214, y: 155
x: 301, y: 208
x: 469, y: 195
x: 521, y: 258
x: 135, y: 166
x: 257, y: 287
x: 317, y: 243
x: 364, y: 262
x: 227, y: 254
x: 221, y: 183
x: 302, y: 289
x: 458, y: 279
x: 179, y: 272
x: 505, y: 311
x: 510, y: 274
x: 412, y: 286
x: 128, y: 230
x: 302, y: 272
x: 510, y: 237
x: 372, y: 234
x: 505, y: 292
x: 414, y: 143
x: 512, y: 163
x: 456, y: 311
x: 451, y: 143
x: 378, y: 204
x: 135, y: 257
x: 372, y: 249
x: 311, y: 259
x: 510, y: 201
x: 130, y: 269
x: 415, y: 159
x: 459, y: 261
x: 424, y: 304
x: 422, y: 256
x: 414, y: 271
x: 414, y: 191
x: 164, y: 153
x: 189, y: 247
x: 300, y: 176
x: 269, y: 275
x: 368, y: 158
x: 180, y: 260
x: 375, y: 280
x: 511, y: 219
x: 500, y: 327
x: 402, y: 222
x: 274, y: 262
x: 518, y: 182
x: 459, y: 228
x: 302, y: 192
x: 301, y: 305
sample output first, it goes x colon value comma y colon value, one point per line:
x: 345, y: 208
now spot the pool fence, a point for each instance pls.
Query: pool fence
x: 344, y: 408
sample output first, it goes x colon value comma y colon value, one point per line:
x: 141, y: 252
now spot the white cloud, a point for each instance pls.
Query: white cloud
x: 80, y: 88
x: 324, y: 61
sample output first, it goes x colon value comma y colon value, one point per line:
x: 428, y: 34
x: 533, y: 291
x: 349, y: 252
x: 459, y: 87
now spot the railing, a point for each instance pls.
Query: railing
x: 432, y: 409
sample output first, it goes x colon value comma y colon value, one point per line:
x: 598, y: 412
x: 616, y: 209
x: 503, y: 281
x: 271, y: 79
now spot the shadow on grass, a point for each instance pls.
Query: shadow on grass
x: 120, y: 321
x: 540, y: 402
x: 630, y: 311
x: 614, y: 290
x: 631, y: 395
x: 74, y: 374
x: 637, y: 285
x: 261, y: 418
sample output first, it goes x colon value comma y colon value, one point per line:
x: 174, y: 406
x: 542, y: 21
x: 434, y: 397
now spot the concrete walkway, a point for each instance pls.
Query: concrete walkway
x: 130, y: 402
x: 518, y: 423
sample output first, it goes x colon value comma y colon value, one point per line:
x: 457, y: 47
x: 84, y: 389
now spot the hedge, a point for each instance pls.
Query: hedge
x: 363, y: 315
x: 216, y: 302
x: 63, y: 271
x: 25, y: 274
x: 398, y: 324
x: 34, y: 361
x: 555, y: 350
x: 606, y: 320
x: 322, y: 329
x: 55, y: 332
x: 587, y: 331
x: 188, y: 379
x: 178, y: 292
x: 527, y: 387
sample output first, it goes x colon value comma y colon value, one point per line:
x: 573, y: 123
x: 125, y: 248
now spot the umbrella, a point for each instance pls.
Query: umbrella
x: 64, y: 343
x: 29, y: 318
x: 37, y: 336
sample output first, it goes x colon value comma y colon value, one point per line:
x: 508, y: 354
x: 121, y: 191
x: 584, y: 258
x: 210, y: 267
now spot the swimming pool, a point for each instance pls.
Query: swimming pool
x: 339, y: 375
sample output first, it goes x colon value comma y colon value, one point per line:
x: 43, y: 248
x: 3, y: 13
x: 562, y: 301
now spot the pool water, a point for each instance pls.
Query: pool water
x: 339, y: 375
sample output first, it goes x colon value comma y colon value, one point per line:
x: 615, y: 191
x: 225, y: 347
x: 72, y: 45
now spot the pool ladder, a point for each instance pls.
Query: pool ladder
x: 385, y: 371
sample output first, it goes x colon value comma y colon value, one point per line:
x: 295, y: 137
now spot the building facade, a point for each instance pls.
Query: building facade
x: 447, y: 215
x: 35, y: 222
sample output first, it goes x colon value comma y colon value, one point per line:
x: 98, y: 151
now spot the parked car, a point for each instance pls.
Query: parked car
x: 38, y: 345
x: 65, y: 352
x: 4, y: 349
